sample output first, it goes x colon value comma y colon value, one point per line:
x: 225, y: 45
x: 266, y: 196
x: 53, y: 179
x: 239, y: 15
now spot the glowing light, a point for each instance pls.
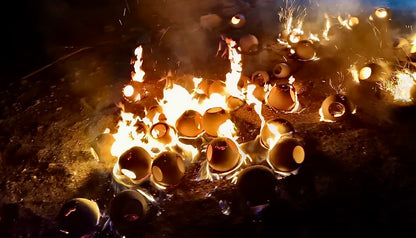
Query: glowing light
x: 128, y: 91
x: 327, y: 27
x: 138, y: 74
x: 227, y: 129
x: 234, y: 76
x: 365, y: 73
x: 353, y: 21
x: 381, y: 12
x: 129, y: 173
x: 354, y: 73
x: 401, y: 86
x: 272, y: 140
x: 235, y: 20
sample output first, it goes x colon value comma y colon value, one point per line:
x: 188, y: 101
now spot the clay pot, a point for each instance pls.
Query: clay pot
x: 260, y: 78
x: 287, y: 155
x: 273, y: 130
x: 127, y: 211
x: 135, y: 163
x: 189, y: 124
x: 336, y: 107
x: 161, y: 132
x: 281, y: 70
x: 238, y: 21
x: 282, y: 97
x: 212, y: 119
x: 248, y: 44
x: 374, y: 72
x: 168, y: 168
x: 305, y: 50
x: 222, y: 154
x: 78, y: 217
x: 256, y: 185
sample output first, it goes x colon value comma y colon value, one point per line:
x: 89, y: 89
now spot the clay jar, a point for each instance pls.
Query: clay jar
x: 282, y: 97
x: 222, y: 154
x: 212, y: 119
x: 287, y: 155
x: 168, y: 168
x: 189, y: 124
x: 336, y: 107
x: 127, y: 210
x: 135, y: 163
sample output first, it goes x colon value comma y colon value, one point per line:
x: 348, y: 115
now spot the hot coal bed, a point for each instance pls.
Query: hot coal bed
x: 215, y: 119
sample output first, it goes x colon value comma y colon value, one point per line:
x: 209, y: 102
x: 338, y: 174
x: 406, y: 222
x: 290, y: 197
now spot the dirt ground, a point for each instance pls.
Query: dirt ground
x: 357, y: 180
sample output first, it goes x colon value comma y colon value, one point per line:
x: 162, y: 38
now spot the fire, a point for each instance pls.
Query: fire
x: 354, y: 73
x: 327, y: 27
x: 234, y: 76
x: 138, y: 74
x: 401, y: 85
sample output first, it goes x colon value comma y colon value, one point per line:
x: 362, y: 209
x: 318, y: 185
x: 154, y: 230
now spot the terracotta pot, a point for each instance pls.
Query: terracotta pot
x: 282, y: 97
x: 212, y: 119
x: 222, y: 154
x: 281, y: 70
x: 238, y: 21
x: 248, y: 44
x: 260, y: 78
x: 189, y: 124
x: 287, y: 155
x: 127, y: 211
x: 168, y: 168
x: 79, y: 217
x: 161, y: 132
x: 273, y: 130
x: 135, y: 163
x: 336, y: 107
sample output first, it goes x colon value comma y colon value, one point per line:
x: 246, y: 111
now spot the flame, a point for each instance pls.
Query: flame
x: 234, y: 76
x: 138, y: 74
x: 322, y: 118
x: 126, y: 135
x: 354, y: 73
x: 349, y: 22
x: 297, y: 107
x: 227, y: 129
x: 251, y: 99
x: 327, y: 27
x: 272, y: 140
x: 401, y: 85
